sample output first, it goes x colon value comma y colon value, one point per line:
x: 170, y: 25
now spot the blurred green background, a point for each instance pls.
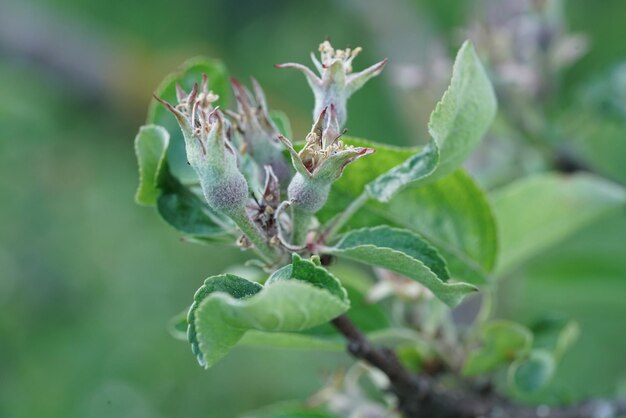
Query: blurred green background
x: 89, y: 280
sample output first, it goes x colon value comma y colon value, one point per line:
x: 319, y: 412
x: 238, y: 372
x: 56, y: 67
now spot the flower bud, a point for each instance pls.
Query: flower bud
x: 318, y: 165
x: 209, y: 151
x: 257, y: 130
x: 324, y: 156
x: 336, y: 82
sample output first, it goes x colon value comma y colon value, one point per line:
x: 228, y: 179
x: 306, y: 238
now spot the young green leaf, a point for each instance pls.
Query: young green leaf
x: 354, y: 180
x: 464, y: 113
x: 529, y: 374
x: 190, y: 72
x: 502, y: 343
x: 416, y: 167
x: 189, y: 214
x: 404, y: 252
x: 281, y: 120
x: 453, y: 214
x: 552, y: 337
x: 306, y: 270
x: 536, y: 213
x: 555, y: 335
x: 227, y: 306
x: 457, y: 126
x: 151, y: 144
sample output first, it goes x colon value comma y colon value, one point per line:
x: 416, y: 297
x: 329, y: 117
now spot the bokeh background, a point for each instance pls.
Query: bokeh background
x: 89, y: 280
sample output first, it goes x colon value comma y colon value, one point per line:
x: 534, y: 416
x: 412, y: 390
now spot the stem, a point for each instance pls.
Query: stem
x: 384, y: 359
x: 340, y: 220
x: 301, y: 220
x: 422, y: 396
x: 251, y: 231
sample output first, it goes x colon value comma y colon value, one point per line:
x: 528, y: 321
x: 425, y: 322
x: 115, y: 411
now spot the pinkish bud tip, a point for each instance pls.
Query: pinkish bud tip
x: 163, y: 102
x: 214, y: 114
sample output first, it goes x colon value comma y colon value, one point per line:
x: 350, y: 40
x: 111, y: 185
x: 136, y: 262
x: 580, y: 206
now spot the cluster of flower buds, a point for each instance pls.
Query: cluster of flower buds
x: 215, y: 161
x: 336, y: 82
x: 218, y: 163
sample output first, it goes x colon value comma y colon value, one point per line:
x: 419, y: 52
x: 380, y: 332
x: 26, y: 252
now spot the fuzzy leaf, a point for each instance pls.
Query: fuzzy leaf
x: 536, y: 213
x: 405, y: 253
x: 464, y: 113
x: 151, y: 144
x: 227, y: 306
x: 454, y: 215
x: 189, y: 72
x: 281, y: 120
x: 188, y: 213
x: 457, y: 126
x: 356, y: 177
x: 502, y: 343
x: 416, y: 167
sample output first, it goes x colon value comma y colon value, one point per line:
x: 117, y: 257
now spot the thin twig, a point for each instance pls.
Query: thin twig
x: 422, y: 396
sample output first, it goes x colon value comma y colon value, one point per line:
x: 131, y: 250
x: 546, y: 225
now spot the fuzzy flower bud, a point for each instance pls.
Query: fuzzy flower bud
x: 320, y: 162
x: 259, y: 133
x: 336, y: 82
x: 208, y: 149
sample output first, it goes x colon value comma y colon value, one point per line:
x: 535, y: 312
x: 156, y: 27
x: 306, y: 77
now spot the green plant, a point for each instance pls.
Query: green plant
x: 431, y: 233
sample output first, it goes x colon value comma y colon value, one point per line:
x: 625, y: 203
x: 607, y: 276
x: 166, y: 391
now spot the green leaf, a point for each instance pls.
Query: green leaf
x: 405, y: 253
x: 306, y: 270
x: 530, y: 374
x: 227, y: 306
x: 294, y: 341
x: 177, y: 326
x: 464, y: 114
x: 416, y: 167
x: 538, y: 212
x: 355, y: 178
x: 281, y: 120
x: 227, y: 285
x: 555, y: 335
x: 189, y: 214
x: 189, y: 72
x: 502, y: 343
x: 457, y: 125
x: 454, y: 215
x: 151, y: 144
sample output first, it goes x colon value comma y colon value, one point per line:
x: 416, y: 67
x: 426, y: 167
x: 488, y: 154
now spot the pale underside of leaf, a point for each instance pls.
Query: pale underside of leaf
x: 405, y: 253
x: 151, y: 144
x: 289, y: 305
x: 297, y: 297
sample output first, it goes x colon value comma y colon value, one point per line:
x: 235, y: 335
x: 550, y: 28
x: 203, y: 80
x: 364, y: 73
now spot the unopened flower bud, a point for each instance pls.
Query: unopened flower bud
x: 318, y: 165
x: 322, y: 160
x: 209, y: 151
x: 336, y: 82
x: 259, y: 133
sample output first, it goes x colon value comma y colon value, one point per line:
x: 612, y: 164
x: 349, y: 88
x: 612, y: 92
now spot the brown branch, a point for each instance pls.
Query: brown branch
x: 422, y: 396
